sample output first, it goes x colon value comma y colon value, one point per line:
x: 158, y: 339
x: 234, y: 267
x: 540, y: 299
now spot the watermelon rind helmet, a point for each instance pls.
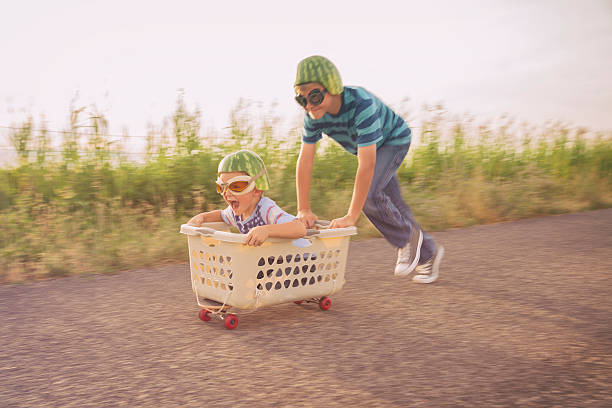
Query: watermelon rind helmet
x: 319, y: 69
x: 248, y: 162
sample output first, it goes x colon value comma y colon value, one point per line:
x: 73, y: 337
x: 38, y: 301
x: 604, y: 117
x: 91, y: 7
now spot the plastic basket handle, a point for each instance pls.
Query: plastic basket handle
x: 327, y: 232
x: 213, y: 233
x: 223, y: 236
x: 207, y: 232
x: 317, y: 223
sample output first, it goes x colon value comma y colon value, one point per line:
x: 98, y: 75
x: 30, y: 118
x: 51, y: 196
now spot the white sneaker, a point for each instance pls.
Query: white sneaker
x: 430, y: 270
x: 408, y: 256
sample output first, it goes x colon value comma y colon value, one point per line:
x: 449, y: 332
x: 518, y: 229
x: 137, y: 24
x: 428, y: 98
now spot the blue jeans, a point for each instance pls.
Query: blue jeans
x: 385, y: 207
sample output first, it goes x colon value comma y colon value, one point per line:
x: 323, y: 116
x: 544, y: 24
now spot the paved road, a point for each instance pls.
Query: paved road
x: 520, y: 317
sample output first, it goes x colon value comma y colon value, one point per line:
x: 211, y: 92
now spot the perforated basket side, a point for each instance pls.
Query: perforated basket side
x: 212, y: 271
x: 299, y: 274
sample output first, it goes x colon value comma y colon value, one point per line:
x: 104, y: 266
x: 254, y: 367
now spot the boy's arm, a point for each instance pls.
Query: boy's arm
x: 303, y: 176
x: 293, y: 229
x: 210, y: 216
x: 366, y: 157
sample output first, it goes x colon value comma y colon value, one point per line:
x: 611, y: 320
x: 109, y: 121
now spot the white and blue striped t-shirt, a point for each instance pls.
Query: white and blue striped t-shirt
x: 363, y: 120
x: 266, y: 212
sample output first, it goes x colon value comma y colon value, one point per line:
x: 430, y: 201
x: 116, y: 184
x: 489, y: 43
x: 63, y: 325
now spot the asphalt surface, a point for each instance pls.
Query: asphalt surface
x: 521, y: 316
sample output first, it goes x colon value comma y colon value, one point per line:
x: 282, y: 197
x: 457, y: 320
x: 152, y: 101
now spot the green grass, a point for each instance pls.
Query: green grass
x: 89, y: 210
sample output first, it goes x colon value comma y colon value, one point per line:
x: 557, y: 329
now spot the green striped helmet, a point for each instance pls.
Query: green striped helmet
x: 250, y: 163
x: 319, y: 69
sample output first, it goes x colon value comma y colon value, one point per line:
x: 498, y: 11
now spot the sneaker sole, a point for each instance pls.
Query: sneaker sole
x: 415, y: 261
x: 435, y: 270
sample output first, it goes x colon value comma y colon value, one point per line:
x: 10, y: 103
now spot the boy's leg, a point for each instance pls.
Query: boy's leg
x: 385, y: 214
x: 427, y: 271
x: 393, y: 190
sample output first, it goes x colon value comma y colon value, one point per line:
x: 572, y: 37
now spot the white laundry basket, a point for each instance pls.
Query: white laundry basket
x: 227, y: 274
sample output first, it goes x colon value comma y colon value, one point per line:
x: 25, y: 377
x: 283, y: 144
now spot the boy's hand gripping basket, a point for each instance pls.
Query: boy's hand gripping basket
x: 227, y: 274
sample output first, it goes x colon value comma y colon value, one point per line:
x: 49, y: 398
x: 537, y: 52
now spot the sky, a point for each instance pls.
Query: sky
x: 537, y: 61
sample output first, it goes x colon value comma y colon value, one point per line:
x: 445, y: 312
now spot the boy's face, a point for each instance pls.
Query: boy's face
x: 242, y: 204
x: 315, y: 112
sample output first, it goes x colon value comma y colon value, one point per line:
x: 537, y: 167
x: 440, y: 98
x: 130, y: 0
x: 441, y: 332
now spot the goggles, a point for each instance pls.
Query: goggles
x: 315, y: 97
x: 238, y: 185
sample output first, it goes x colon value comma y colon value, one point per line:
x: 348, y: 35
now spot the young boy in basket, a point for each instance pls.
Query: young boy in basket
x: 369, y: 129
x: 242, y: 179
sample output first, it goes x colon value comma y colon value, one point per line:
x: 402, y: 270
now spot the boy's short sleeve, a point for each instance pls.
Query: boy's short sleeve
x: 273, y: 214
x: 310, y: 134
x: 368, y: 123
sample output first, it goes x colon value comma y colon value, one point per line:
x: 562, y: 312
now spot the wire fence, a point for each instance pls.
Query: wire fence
x: 87, y: 139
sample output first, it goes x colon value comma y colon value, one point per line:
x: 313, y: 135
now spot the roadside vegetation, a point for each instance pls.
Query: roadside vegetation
x: 76, y: 203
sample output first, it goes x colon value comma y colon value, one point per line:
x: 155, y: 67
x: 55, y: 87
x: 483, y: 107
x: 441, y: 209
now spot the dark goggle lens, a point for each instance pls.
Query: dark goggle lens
x: 315, y: 97
x: 301, y: 101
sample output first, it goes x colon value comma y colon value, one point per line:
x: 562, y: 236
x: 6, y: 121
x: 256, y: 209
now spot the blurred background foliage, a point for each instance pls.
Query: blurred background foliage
x: 87, y: 206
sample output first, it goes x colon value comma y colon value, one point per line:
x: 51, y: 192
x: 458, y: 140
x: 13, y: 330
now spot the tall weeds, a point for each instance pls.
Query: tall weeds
x: 84, y: 207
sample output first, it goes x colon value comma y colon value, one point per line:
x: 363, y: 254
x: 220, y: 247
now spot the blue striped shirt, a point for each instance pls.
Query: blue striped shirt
x: 363, y: 120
